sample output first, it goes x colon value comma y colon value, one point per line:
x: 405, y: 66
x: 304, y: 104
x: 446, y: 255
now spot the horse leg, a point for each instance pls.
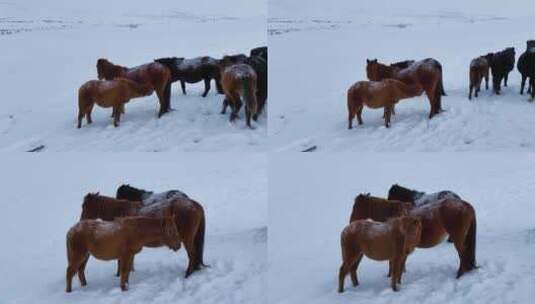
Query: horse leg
x: 183, y: 86
x: 350, y: 117
x: 505, y: 79
x: 125, y: 271
x: 88, y: 113
x: 530, y: 87
x: 206, y: 87
x: 81, y: 272
x: 116, y: 115
x: 236, y: 106
x: 388, y: 110
x: 353, y: 270
x: 487, y: 81
x: 396, y: 263
x: 218, y: 85
x: 164, y: 104
x: 225, y: 105
x: 532, y: 82
x: 189, y: 244
x: 431, y: 96
x: 359, y: 113
x: 70, y: 274
x: 522, y: 84
x: 118, y: 268
x: 80, y: 117
x: 247, y: 116
x: 470, y: 92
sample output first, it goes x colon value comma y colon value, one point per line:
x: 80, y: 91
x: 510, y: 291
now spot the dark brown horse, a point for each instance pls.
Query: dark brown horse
x: 426, y: 75
x: 194, y: 70
x: 119, y: 240
x: 239, y: 83
x: 189, y: 218
x: 450, y: 216
x: 154, y: 74
x: 392, y: 240
x: 108, y: 93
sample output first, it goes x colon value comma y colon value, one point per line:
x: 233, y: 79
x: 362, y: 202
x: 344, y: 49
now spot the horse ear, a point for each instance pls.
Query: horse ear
x: 375, y: 60
x: 368, y: 60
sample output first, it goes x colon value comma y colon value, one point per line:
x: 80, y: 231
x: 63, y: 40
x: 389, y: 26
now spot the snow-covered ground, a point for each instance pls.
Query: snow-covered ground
x: 325, y: 46
x: 42, y: 197
x: 310, y: 204
x: 50, y: 48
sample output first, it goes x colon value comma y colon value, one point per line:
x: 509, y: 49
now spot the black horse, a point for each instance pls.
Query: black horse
x: 194, y: 70
x: 260, y: 66
x: 419, y: 198
x: 130, y: 193
x: 261, y: 51
x: 501, y: 63
x: 526, y: 67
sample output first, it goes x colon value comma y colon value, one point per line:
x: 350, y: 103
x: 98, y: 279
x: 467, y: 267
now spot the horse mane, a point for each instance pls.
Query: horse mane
x: 108, y: 69
x: 402, y: 193
x: 125, y: 191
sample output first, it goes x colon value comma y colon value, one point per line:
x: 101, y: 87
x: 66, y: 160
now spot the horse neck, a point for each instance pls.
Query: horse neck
x: 113, y: 70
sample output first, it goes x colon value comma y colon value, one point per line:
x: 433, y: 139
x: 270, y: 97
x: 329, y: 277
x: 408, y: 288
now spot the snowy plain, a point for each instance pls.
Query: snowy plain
x: 325, y: 46
x: 44, y: 197
x: 310, y: 204
x: 50, y: 48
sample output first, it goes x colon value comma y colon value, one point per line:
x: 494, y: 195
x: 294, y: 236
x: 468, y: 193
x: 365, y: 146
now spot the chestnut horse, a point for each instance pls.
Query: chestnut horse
x: 376, y: 94
x: 479, y: 70
x: 194, y: 70
x: 392, y: 240
x: 108, y: 93
x: 426, y: 75
x: 119, y: 240
x: 189, y: 219
x: 130, y: 193
x: 154, y: 74
x: 239, y: 82
x: 439, y: 218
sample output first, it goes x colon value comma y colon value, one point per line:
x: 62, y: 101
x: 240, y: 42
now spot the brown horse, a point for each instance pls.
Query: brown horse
x: 479, y: 70
x: 154, y: 74
x: 189, y: 219
x: 239, y: 82
x: 393, y: 240
x: 439, y: 218
x: 119, y: 240
x: 108, y: 93
x: 376, y: 94
x: 425, y: 75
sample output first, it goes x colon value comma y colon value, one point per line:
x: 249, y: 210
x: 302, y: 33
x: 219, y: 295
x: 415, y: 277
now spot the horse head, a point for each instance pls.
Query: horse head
x: 90, y: 206
x: 373, y: 70
x: 106, y: 70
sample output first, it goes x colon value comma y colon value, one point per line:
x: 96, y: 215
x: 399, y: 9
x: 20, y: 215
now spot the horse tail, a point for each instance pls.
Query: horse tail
x: 199, y: 242
x: 249, y: 95
x: 470, y: 245
x: 440, y: 83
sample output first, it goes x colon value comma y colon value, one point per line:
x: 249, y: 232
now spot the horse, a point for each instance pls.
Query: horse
x: 376, y: 94
x: 439, y: 218
x: 108, y: 93
x: 379, y: 209
x: 392, y: 240
x: 188, y: 214
x: 261, y: 51
x: 233, y: 59
x: 194, y: 70
x: 260, y: 66
x: 239, y: 82
x: 418, y: 198
x: 479, y: 69
x: 154, y: 74
x: 127, y: 192
x: 526, y: 67
x: 119, y: 240
x: 426, y: 75
x: 501, y: 63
